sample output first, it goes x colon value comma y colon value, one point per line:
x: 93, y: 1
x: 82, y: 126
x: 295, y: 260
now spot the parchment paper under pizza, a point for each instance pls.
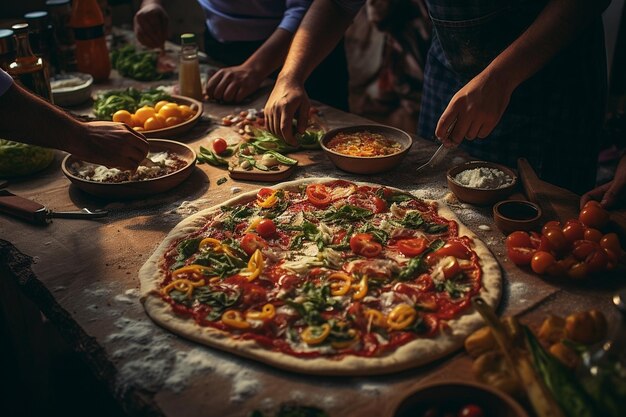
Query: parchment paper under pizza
x: 323, y: 276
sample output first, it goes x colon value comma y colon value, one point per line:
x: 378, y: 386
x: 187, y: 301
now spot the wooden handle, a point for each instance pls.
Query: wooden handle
x: 530, y: 181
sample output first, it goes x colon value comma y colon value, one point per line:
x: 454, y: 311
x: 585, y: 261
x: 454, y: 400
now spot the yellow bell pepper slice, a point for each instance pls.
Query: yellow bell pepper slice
x: 344, y: 344
x: 340, y: 283
x: 209, y: 241
x: 374, y: 317
x: 255, y: 265
x: 269, y: 201
x: 191, y: 270
x: 233, y: 318
x: 401, y: 317
x: 253, y: 224
x: 182, y: 285
x: 360, y: 288
x: 314, y: 335
x: 267, y: 312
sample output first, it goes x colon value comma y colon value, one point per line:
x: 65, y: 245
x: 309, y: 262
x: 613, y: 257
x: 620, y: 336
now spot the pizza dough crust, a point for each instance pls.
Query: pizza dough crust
x: 415, y: 353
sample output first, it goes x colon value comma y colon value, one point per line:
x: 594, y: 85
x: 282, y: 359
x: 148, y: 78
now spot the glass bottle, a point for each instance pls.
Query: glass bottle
x: 189, y: 68
x: 27, y: 69
x: 7, y: 48
x: 603, y: 372
x: 60, y: 12
x: 92, y: 53
x: 41, y: 39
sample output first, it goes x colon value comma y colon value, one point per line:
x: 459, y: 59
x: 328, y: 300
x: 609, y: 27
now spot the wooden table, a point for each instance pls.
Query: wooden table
x: 83, y: 277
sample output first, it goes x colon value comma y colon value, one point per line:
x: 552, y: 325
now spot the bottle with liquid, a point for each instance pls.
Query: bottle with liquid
x: 29, y: 70
x: 41, y: 38
x: 92, y: 53
x: 7, y: 48
x: 189, y: 68
x: 60, y: 12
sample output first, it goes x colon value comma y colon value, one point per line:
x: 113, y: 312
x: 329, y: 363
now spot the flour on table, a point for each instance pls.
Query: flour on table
x: 189, y: 207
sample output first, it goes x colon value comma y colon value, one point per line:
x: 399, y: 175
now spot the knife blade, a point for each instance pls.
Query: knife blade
x: 441, y: 152
x: 36, y: 213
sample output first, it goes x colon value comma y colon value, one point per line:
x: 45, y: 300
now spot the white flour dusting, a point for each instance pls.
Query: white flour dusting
x: 484, y: 227
x: 189, y: 207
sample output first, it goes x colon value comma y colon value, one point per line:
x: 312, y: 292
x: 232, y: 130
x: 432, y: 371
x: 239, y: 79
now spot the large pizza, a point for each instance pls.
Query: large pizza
x: 323, y: 276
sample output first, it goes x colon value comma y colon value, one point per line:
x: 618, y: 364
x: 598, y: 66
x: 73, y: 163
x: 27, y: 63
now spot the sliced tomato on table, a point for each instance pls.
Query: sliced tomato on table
x: 364, y: 244
x: 519, y: 247
x: 250, y: 242
x: 318, y: 195
x: 412, y: 247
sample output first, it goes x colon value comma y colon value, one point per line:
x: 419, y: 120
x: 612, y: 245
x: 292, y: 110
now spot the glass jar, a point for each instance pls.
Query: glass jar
x: 189, y: 67
x: 27, y: 69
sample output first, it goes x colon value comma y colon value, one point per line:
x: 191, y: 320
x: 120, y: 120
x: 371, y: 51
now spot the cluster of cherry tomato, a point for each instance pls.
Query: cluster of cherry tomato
x: 575, y: 249
x: 163, y: 114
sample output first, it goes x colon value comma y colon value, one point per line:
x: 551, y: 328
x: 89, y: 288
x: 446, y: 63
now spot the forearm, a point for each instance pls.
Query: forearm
x: 29, y: 119
x: 269, y: 57
x: 321, y: 29
x: 555, y: 27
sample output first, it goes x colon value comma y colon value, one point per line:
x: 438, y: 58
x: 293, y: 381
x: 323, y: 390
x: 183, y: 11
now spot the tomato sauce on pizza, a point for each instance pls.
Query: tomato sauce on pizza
x: 330, y: 269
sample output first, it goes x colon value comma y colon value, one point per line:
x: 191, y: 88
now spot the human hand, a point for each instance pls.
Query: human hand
x: 287, y: 100
x: 151, y: 24
x: 110, y: 144
x: 477, y: 109
x: 233, y: 84
x: 612, y: 192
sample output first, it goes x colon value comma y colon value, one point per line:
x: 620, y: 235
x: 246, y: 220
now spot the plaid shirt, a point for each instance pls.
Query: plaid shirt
x: 554, y: 118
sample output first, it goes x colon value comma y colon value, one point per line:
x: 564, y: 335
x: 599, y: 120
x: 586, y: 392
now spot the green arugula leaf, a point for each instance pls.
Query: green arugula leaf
x: 185, y: 249
x: 346, y: 212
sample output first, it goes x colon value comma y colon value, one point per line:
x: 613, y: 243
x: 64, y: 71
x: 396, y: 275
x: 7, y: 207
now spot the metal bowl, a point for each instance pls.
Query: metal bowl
x: 364, y: 164
x: 136, y: 189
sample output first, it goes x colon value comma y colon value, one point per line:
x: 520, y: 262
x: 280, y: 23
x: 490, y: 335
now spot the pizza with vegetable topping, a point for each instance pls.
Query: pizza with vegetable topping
x: 323, y: 276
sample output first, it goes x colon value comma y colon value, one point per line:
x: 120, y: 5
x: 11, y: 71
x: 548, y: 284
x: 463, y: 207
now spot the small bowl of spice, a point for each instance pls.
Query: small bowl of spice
x: 480, y: 182
x: 366, y: 149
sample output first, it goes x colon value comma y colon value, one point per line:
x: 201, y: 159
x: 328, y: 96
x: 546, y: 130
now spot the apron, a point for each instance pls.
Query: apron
x: 554, y: 119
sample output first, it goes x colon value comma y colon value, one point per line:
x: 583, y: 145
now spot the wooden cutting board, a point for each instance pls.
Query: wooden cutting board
x: 281, y: 173
x: 558, y: 203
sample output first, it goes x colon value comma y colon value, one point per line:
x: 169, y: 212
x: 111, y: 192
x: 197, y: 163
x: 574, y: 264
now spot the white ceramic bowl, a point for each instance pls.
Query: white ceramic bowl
x: 71, y: 89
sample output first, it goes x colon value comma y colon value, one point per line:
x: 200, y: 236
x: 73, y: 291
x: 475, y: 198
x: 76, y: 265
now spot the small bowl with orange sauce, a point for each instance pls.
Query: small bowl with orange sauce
x: 366, y: 149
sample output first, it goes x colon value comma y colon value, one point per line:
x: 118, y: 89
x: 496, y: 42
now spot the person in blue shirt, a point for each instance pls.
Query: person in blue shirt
x: 525, y: 77
x: 29, y: 119
x: 251, y: 38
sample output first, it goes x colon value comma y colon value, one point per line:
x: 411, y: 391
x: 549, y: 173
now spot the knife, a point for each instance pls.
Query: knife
x: 36, y: 213
x: 441, y: 152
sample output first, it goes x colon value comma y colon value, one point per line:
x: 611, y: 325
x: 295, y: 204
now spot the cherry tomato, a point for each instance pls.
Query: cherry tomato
x: 318, y: 195
x: 250, y: 242
x: 451, y: 267
x: 471, y: 410
x: 412, y: 247
x: 266, y: 228
x: 520, y: 247
x: 552, y: 224
x: 597, y: 261
x: 363, y: 244
x: 611, y: 241
x: 517, y: 239
x: 541, y: 262
x: 219, y: 145
x: 573, y: 231
x: 593, y: 235
x: 557, y: 239
x: 579, y: 270
x: 593, y: 215
x: 456, y: 249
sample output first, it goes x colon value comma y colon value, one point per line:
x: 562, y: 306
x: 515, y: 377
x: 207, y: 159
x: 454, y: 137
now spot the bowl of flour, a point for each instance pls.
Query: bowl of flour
x: 480, y: 182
